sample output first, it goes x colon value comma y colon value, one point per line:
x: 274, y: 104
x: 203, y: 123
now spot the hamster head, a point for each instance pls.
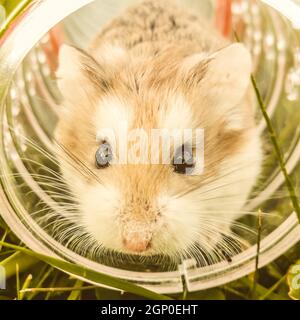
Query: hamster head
x: 137, y: 206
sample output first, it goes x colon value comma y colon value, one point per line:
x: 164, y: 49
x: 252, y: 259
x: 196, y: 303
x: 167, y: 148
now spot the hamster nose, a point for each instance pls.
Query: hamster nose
x: 136, y: 243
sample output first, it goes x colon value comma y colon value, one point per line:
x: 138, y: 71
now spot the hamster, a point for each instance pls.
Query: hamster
x: 158, y: 66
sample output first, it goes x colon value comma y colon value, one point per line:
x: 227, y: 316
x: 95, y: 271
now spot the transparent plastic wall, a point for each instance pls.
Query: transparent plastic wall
x: 29, y: 102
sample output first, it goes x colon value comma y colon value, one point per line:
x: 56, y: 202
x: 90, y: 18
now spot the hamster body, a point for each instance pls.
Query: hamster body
x: 158, y: 66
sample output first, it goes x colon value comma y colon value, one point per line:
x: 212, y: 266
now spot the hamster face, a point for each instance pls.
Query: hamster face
x: 145, y: 208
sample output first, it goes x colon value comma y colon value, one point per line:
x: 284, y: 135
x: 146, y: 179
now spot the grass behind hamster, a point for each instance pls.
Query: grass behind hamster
x: 30, y: 277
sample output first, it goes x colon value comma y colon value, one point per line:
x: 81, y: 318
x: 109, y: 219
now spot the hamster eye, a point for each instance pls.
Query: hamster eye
x: 183, y: 159
x: 103, y: 155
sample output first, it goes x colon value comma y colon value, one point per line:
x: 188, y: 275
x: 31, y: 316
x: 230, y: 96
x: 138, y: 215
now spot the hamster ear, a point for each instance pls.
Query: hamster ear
x: 223, y: 78
x: 79, y: 76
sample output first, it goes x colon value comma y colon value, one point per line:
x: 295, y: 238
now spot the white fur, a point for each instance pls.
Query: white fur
x: 228, y: 75
x: 101, y: 207
x: 111, y: 112
x: 111, y: 54
x: 179, y: 114
x: 226, y: 81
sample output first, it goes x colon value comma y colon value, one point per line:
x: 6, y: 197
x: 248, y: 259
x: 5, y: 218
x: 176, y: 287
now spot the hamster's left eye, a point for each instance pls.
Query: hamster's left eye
x: 103, y: 155
x: 183, y: 159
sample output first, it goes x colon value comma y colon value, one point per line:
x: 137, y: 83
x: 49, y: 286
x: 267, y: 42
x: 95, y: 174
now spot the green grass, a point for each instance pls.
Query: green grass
x: 13, y: 9
x: 35, y: 276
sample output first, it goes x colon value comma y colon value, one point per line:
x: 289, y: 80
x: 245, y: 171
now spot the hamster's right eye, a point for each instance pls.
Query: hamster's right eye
x: 103, y: 155
x: 183, y: 159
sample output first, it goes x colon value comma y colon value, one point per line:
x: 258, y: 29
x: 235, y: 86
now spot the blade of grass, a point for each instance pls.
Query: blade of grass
x: 184, y: 294
x: 75, y: 294
x: 91, y: 274
x: 274, y: 271
x: 13, y: 14
x: 236, y: 292
x: 44, y: 275
x: 26, y: 284
x: 255, y: 278
x: 278, y: 152
x: 273, y: 288
x: 261, y: 290
x: 17, y: 281
x: 59, y: 289
x: 3, y: 253
x: 24, y: 261
x: 3, y: 238
x: 52, y: 284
